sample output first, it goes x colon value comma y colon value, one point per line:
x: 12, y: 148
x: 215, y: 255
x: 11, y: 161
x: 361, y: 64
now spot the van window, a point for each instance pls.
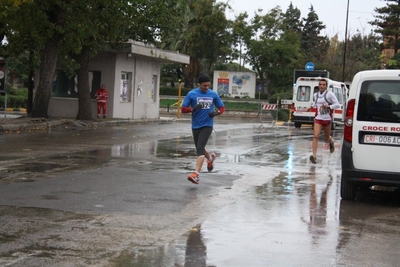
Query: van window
x: 379, y: 101
x: 303, y: 93
x: 338, y: 93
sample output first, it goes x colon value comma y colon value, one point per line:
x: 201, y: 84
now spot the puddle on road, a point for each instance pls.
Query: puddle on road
x: 268, y: 219
x: 38, y: 167
x: 138, y: 153
x: 189, y: 250
x: 145, y: 153
x: 32, y: 167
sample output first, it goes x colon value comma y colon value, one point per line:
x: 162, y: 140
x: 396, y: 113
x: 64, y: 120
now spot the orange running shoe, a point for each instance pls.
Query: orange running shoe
x: 210, y: 165
x: 194, y: 178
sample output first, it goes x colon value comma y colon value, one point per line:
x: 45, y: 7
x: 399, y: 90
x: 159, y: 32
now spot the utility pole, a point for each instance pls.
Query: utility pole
x: 3, y: 82
x: 179, y: 73
x: 345, y: 43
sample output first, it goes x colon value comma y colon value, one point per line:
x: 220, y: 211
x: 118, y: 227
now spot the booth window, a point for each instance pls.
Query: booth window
x: 154, y: 88
x: 63, y: 86
x: 126, y: 87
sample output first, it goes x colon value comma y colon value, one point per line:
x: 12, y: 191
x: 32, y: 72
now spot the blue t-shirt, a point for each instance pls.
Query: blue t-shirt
x: 209, y: 100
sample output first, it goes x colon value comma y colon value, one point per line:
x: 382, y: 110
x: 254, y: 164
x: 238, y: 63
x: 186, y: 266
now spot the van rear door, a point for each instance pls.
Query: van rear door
x: 304, y: 97
x: 345, y: 98
x: 340, y: 94
x: 376, y: 126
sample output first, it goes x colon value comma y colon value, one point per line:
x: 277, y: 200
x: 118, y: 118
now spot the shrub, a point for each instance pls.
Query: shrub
x: 16, y: 98
x: 164, y: 90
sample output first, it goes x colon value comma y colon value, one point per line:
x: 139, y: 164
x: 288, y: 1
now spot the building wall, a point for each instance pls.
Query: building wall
x: 123, y: 108
x: 68, y: 107
x: 105, y: 62
x: 146, y: 88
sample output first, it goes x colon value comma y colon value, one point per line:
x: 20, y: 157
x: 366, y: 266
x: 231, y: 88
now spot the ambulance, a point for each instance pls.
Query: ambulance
x: 303, y: 98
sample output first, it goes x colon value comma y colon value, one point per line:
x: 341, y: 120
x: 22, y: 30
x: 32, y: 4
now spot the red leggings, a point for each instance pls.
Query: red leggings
x: 101, y: 105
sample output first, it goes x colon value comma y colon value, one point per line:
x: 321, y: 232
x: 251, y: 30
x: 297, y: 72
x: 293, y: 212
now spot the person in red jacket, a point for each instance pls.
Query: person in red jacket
x: 101, y: 96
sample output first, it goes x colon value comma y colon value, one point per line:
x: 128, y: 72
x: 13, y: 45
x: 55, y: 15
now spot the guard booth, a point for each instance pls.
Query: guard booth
x: 131, y: 75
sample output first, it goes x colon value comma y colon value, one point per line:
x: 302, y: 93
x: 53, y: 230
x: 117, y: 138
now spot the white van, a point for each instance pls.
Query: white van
x: 371, y: 137
x: 303, y: 97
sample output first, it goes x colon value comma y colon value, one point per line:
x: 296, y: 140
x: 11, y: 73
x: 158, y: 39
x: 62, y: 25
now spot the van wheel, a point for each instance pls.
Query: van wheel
x: 297, y: 125
x: 348, y: 191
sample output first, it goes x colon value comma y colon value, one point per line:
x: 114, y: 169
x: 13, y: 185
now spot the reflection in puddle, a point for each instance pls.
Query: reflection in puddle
x: 317, y: 208
x: 196, y: 251
x: 130, y: 150
x: 188, y: 251
x: 160, y: 148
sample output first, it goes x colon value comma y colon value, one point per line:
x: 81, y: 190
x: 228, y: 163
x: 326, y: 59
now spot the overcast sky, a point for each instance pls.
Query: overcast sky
x: 332, y: 13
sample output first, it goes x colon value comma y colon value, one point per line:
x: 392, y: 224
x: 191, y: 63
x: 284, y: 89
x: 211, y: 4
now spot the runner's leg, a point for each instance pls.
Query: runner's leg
x: 317, y: 131
x: 202, y: 139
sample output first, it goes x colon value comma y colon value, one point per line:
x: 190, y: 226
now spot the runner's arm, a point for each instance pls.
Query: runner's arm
x: 335, y: 102
x: 314, y: 103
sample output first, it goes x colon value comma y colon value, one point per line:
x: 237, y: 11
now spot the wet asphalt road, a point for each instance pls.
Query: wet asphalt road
x: 119, y: 197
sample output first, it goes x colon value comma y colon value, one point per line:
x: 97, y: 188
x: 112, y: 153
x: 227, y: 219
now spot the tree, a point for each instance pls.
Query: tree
x: 313, y: 45
x: 74, y: 31
x: 2, y: 32
x: 363, y: 53
x: 52, y: 16
x: 292, y: 20
x: 388, y: 21
x: 273, y: 53
x: 201, y: 31
x: 334, y: 58
x: 240, y: 33
x: 394, y: 62
x: 24, y: 40
x: 36, y: 27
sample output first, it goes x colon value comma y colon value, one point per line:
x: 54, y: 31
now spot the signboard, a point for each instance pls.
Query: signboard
x: 236, y: 84
x: 286, y: 101
x: 309, y: 66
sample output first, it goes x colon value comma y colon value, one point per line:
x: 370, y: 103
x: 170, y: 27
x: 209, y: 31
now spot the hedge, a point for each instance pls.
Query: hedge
x: 14, y: 101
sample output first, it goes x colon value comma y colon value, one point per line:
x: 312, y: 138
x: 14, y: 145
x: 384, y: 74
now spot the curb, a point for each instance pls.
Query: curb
x: 14, y: 109
x: 284, y: 123
x: 66, y: 124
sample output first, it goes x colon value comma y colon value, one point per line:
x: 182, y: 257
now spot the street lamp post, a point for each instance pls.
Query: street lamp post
x: 345, y: 43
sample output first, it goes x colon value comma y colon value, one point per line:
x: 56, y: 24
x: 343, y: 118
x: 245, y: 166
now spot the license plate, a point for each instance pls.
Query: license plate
x: 382, y: 139
x: 303, y: 109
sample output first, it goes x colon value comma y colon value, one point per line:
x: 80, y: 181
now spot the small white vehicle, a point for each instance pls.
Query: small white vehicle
x: 371, y: 137
x: 303, y: 98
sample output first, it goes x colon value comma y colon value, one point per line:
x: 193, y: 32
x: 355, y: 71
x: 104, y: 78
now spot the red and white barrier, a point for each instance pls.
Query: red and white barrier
x: 269, y: 106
